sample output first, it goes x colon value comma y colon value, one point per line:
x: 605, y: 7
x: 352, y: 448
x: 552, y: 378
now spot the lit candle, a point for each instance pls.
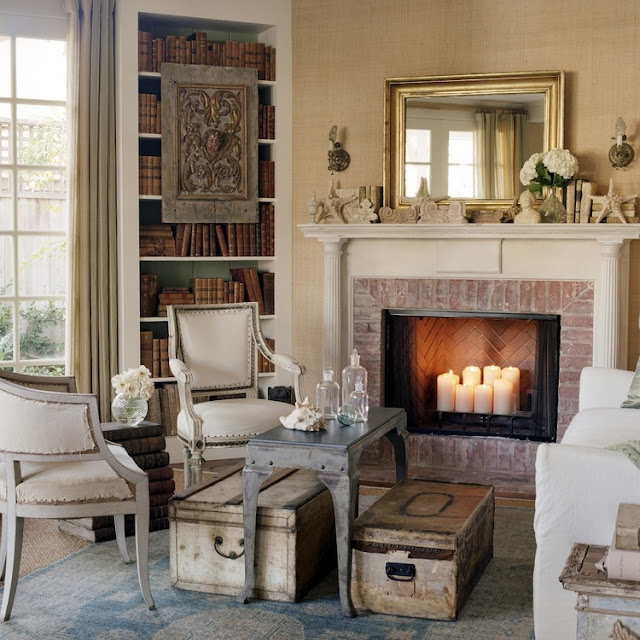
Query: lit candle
x: 490, y: 373
x: 471, y: 376
x: 464, y: 398
x: 446, y: 393
x: 502, y: 396
x: 483, y: 399
x: 513, y: 374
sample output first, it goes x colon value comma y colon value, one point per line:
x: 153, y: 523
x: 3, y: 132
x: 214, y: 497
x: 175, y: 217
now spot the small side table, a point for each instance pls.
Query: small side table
x: 607, y: 609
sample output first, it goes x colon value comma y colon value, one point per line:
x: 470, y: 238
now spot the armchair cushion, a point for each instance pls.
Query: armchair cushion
x: 238, y: 417
x: 71, y: 482
x: 602, y: 427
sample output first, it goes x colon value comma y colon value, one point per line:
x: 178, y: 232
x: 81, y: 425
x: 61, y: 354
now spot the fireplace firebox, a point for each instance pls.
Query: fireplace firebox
x: 422, y: 344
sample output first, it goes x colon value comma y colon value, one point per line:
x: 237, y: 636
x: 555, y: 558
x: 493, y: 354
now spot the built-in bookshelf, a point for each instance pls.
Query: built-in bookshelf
x: 192, y: 263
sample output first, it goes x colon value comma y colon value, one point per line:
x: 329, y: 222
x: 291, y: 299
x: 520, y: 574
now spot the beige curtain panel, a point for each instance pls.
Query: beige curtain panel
x: 93, y: 333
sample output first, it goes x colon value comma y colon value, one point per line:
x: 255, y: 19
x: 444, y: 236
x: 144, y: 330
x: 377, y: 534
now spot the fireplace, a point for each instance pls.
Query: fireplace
x: 421, y: 344
x: 579, y: 273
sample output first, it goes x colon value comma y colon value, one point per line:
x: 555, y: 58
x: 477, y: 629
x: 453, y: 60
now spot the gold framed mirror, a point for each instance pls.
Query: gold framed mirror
x: 436, y: 128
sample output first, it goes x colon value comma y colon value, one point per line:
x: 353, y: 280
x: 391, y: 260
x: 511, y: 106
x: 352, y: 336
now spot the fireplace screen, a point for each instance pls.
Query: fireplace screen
x: 421, y: 345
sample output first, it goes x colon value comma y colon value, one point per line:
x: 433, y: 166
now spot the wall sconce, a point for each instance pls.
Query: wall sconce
x: 339, y: 159
x: 621, y: 153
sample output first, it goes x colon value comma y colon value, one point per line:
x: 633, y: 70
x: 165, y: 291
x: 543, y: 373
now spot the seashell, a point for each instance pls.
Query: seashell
x: 305, y: 417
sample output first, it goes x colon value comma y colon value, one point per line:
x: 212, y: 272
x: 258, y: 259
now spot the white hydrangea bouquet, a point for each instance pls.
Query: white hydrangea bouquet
x: 134, y: 383
x: 554, y: 168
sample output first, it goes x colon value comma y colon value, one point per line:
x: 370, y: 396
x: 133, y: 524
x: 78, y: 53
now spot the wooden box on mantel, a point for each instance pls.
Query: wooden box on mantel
x: 295, y: 537
x: 421, y: 548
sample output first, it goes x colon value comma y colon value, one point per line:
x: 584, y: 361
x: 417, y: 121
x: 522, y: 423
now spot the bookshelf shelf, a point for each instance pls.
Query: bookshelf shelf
x: 140, y: 143
x: 207, y: 258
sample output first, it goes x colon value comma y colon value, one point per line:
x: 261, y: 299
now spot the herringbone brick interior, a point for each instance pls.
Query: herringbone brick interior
x: 424, y: 347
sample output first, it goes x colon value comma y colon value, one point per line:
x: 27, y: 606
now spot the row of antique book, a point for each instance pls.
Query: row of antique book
x: 145, y: 443
x: 235, y: 239
x: 247, y: 284
x: 154, y: 354
x: 150, y: 117
x: 196, y: 49
x: 150, y: 177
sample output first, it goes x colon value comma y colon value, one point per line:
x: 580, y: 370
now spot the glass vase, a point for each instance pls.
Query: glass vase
x: 129, y: 411
x: 552, y: 210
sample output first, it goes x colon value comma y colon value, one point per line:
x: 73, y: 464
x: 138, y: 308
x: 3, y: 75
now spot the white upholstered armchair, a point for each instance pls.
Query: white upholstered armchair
x: 55, y: 463
x: 213, y: 351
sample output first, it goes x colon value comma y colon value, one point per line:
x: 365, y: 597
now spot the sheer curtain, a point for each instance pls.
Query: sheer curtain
x: 93, y: 323
x: 499, y: 152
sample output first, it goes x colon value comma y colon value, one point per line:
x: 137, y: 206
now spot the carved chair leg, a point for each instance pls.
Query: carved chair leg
x: 196, y: 464
x: 14, y: 529
x: 186, y: 455
x: 121, y: 538
x: 142, y: 553
x: 3, y: 546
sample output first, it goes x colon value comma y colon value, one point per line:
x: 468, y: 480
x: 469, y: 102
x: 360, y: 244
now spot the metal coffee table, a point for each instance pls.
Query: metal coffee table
x: 334, y: 453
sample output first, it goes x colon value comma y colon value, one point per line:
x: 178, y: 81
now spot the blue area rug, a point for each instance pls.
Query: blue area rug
x: 93, y: 595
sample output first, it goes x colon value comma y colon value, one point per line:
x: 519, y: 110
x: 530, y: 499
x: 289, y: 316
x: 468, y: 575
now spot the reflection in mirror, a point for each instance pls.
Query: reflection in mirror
x: 468, y: 136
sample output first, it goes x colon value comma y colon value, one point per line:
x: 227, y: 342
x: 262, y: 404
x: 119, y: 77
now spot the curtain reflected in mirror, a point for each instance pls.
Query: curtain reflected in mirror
x: 499, y: 152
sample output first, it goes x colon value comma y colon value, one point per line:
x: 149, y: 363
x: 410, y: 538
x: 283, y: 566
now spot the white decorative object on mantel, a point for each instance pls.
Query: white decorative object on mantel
x: 612, y: 203
x: 432, y: 212
x: 528, y: 215
x: 305, y: 417
x: 341, y: 206
x: 408, y: 215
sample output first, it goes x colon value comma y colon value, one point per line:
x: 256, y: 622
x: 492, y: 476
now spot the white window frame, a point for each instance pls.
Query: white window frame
x: 46, y: 21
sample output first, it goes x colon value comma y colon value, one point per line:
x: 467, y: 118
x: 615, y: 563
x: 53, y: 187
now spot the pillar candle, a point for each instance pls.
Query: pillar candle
x: 464, y: 398
x: 502, y: 396
x: 513, y: 374
x: 490, y: 373
x: 483, y: 399
x: 446, y: 391
x: 471, y: 376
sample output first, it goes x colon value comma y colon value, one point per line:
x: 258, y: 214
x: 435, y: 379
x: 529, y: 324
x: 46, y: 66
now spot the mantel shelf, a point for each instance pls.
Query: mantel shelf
x: 599, y: 233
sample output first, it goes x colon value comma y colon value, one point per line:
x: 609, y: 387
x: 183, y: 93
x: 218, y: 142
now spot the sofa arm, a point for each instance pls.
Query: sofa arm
x: 578, y: 490
x: 603, y: 387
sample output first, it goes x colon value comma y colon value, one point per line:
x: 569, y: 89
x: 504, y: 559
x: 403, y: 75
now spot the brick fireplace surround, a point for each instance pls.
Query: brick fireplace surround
x: 494, y: 268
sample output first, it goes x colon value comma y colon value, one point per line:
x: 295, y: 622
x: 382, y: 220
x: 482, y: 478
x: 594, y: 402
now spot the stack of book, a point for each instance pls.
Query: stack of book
x: 157, y: 240
x: 148, y: 294
x: 196, y: 49
x: 266, y: 179
x: 217, y: 291
x: 267, y: 122
x: 174, y: 295
x: 149, y: 112
x: 145, y: 443
x: 150, y: 175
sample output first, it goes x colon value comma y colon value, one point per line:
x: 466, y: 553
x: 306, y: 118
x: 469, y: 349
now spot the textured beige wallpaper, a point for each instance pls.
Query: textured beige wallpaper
x: 344, y: 49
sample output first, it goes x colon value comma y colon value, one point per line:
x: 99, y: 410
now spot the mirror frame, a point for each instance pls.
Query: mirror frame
x: 399, y: 90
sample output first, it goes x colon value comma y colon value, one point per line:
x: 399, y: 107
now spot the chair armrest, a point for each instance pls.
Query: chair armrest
x: 286, y: 362
x: 184, y: 378
x: 603, y: 387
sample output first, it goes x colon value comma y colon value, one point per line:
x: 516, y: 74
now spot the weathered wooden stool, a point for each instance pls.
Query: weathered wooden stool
x: 295, y: 535
x: 421, y: 548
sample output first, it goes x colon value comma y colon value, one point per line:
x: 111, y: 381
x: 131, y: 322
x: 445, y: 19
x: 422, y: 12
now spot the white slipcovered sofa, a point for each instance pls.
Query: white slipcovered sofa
x: 579, y: 485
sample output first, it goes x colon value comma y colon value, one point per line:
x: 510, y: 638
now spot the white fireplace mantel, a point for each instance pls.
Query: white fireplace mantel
x: 601, y: 252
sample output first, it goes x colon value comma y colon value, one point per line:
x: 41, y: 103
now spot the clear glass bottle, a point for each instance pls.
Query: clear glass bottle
x: 349, y: 375
x: 328, y: 395
x: 360, y: 400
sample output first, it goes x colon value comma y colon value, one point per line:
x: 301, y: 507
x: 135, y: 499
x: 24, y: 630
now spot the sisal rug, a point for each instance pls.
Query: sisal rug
x: 92, y: 594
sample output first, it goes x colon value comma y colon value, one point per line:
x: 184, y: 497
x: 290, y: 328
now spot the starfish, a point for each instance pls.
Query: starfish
x: 611, y: 203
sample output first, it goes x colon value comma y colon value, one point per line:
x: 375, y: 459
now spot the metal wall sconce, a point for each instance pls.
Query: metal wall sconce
x: 621, y: 153
x: 339, y: 159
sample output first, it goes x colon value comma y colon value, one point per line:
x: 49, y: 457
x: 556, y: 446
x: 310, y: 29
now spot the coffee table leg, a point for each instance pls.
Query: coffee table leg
x: 344, y: 492
x: 252, y: 480
x: 399, y: 441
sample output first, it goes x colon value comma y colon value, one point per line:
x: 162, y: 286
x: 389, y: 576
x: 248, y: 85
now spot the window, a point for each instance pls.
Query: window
x: 440, y: 148
x: 33, y: 196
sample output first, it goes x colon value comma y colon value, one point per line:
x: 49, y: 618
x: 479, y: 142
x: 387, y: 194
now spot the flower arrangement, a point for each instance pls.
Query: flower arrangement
x: 551, y: 169
x: 134, y: 383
